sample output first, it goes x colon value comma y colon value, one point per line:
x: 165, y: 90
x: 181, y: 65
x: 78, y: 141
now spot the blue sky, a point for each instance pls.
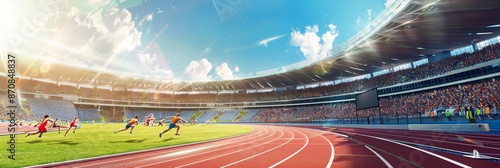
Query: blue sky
x: 182, y: 39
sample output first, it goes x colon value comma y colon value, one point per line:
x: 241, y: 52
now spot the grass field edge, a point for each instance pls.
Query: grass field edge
x: 133, y: 152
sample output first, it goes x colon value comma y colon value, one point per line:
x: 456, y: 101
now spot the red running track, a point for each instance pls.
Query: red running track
x: 266, y: 146
x: 285, y: 146
x: 404, y: 147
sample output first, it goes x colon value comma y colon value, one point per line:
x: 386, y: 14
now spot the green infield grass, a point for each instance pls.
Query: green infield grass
x: 99, y: 140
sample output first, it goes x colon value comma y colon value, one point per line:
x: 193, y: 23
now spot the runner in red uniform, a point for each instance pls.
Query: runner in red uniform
x: 150, y: 120
x: 42, y: 127
x: 71, y: 125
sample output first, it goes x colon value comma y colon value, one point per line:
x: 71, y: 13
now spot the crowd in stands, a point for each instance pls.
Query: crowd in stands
x: 402, y: 76
x: 478, y: 95
x: 276, y: 114
x: 306, y: 113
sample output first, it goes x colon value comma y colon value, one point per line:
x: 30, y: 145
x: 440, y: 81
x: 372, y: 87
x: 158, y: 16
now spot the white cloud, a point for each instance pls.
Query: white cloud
x: 265, y: 41
x: 147, y: 58
x: 361, y: 22
x: 207, y: 50
x: 148, y: 18
x: 150, y: 60
x: 237, y: 68
x: 369, y: 13
x: 167, y: 73
x: 121, y: 1
x: 94, y: 32
x: 310, y: 44
x: 110, y: 32
x: 224, y: 71
x: 389, y: 3
x: 159, y: 11
x: 74, y: 12
x: 199, y: 69
x: 99, y: 3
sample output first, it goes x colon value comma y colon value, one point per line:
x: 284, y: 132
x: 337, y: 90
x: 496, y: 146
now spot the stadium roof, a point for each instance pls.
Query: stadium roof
x: 421, y: 29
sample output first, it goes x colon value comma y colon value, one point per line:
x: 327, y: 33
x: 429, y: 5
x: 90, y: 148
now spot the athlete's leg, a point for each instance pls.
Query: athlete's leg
x: 66, y: 132
x: 165, y: 130
x: 121, y: 130
x: 131, y: 129
x: 178, y: 127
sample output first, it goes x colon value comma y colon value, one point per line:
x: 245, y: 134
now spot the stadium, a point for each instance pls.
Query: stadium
x: 416, y: 85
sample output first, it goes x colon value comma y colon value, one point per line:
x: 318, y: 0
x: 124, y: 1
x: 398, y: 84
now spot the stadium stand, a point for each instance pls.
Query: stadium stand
x: 228, y: 115
x: 70, y: 90
x: 62, y: 109
x: 49, y: 88
x: 143, y: 113
x: 206, y: 116
x: 88, y: 114
x: 440, y: 67
x: 479, y: 94
x: 186, y: 115
x: 249, y: 115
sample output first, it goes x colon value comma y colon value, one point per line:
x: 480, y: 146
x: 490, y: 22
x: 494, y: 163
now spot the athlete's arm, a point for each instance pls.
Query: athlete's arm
x: 37, y: 123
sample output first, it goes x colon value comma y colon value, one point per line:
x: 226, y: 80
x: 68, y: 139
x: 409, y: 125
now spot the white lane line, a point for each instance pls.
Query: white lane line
x: 422, y: 138
x: 380, y: 157
x: 342, y: 135
x: 332, y: 156
x: 290, y: 139
x: 446, y: 149
x: 147, y: 155
x: 198, y: 153
x: 425, y: 151
x: 307, y: 142
x: 330, y: 162
x: 129, y: 153
x: 436, y: 140
x: 218, y: 156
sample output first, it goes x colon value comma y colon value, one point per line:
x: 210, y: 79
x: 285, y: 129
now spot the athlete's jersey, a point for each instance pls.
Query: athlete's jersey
x: 132, y: 121
x: 44, y: 122
x: 175, y: 120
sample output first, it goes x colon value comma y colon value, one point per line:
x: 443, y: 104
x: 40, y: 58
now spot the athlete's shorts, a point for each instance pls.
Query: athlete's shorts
x: 171, y: 125
x: 72, y: 125
x: 128, y: 126
x: 42, y: 129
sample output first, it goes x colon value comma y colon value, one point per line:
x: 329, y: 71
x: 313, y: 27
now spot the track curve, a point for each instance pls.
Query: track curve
x: 289, y: 146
